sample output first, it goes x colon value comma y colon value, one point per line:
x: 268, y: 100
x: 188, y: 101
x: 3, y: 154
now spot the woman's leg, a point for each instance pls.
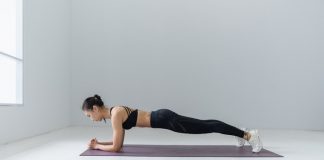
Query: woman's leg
x: 168, y: 119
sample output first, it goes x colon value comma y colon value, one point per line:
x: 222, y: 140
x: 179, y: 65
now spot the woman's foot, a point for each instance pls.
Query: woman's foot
x: 254, y: 140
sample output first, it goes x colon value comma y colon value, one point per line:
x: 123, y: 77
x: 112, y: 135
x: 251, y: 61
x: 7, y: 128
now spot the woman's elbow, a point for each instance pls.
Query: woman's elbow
x: 116, y: 149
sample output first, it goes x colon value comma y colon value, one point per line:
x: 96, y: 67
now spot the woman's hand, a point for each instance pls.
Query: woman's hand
x: 93, y: 144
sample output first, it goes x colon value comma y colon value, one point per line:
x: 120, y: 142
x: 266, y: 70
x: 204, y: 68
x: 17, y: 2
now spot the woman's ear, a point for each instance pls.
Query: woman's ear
x: 95, y: 108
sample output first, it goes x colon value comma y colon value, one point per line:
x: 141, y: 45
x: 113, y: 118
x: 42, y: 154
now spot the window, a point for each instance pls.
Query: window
x: 11, y: 58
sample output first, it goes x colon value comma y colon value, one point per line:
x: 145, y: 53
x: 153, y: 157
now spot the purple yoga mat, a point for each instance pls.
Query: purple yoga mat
x: 183, y: 151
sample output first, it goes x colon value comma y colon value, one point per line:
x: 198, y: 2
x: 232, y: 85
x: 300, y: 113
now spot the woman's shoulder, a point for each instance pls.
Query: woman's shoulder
x: 122, y: 107
x: 118, y: 113
x: 117, y: 109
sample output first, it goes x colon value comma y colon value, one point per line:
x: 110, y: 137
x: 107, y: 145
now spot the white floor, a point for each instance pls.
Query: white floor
x: 70, y: 142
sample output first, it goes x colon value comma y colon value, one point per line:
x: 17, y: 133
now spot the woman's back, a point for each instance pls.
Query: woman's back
x: 128, y: 115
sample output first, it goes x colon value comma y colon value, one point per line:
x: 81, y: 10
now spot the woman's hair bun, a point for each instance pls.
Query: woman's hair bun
x: 97, y: 96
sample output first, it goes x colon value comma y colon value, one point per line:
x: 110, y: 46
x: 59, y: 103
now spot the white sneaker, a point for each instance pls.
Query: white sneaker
x: 241, y: 141
x: 255, y: 141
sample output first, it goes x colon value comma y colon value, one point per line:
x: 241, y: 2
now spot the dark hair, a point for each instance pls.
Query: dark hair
x: 91, y: 101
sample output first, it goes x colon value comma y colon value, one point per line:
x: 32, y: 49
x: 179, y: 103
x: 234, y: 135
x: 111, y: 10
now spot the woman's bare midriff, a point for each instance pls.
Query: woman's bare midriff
x: 143, y: 119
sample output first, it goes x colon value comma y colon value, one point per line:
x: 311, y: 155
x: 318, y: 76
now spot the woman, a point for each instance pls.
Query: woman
x: 123, y: 117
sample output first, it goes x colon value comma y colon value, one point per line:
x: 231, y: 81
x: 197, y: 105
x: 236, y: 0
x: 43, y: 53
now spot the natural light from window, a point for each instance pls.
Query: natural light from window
x: 11, y: 59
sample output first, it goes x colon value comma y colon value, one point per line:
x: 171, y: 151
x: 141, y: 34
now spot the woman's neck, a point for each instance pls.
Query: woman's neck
x: 106, y: 113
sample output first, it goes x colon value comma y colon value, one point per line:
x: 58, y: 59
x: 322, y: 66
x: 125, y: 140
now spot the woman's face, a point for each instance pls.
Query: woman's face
x: 94, y: 115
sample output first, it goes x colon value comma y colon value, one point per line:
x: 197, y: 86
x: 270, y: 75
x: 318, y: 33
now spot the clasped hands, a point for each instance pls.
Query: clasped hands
x: 93, y: 144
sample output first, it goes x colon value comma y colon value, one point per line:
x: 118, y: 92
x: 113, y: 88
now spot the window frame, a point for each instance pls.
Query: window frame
x: 19, y: 53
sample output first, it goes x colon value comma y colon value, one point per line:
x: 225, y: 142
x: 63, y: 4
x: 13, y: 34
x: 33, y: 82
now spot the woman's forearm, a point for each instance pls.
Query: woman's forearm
x: 105, y: 143
x: 109, y: 148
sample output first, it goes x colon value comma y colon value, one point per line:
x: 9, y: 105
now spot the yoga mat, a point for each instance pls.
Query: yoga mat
x: 183, y: 151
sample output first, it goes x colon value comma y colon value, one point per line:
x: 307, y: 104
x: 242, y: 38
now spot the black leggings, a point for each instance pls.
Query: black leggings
x: 167, y: 119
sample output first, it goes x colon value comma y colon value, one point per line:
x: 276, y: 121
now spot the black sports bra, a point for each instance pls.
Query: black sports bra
x: 131, y: 119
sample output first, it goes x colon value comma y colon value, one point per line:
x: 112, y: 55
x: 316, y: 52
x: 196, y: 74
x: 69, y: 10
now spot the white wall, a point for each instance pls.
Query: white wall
x: 46, y: 72
x: 249, y: 63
